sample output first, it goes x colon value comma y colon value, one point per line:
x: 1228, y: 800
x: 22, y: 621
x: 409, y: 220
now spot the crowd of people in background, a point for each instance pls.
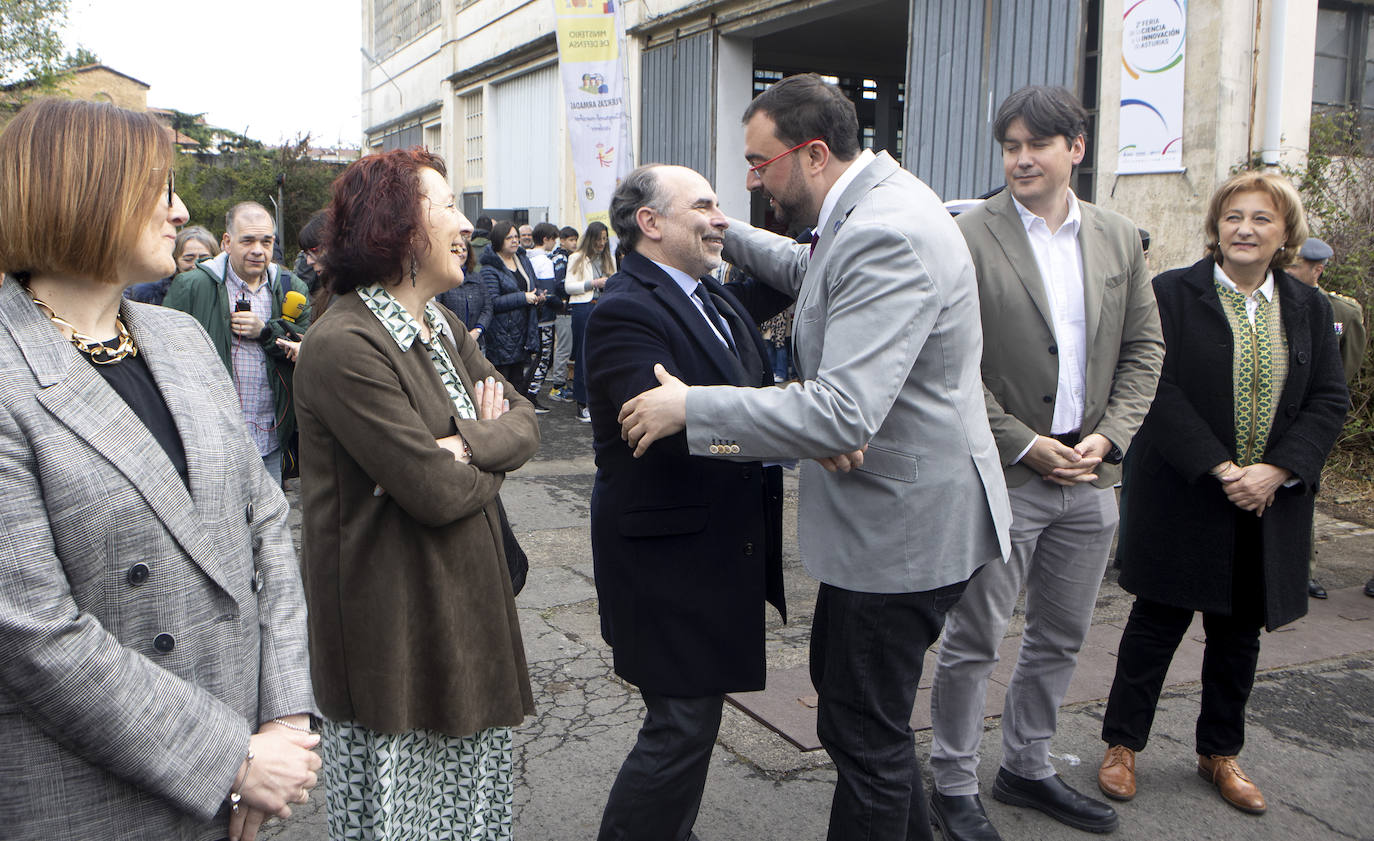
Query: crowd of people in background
x: 148, y: 583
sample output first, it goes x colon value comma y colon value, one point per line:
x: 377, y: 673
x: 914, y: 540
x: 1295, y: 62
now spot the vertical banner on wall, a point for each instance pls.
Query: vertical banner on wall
x: 1153, y: 34
x: 591, y: 61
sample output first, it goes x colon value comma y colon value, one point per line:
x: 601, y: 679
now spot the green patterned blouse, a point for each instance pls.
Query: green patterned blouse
x: 406, y: 330
x: 1259, y: 367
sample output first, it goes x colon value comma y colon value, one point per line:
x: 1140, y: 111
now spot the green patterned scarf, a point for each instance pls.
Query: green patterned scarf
x: 1259, y: 366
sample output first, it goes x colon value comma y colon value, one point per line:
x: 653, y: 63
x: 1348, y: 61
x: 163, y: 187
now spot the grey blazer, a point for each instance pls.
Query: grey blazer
x: 145, y: 631
x: 1125, y: 347
x: 887, y: 343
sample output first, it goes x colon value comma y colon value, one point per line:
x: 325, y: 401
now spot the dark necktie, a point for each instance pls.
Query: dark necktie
x: 815, y: 241
x: 714, y: 315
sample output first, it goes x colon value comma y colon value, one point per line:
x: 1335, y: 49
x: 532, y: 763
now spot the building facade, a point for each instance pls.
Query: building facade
x: 477, y: 81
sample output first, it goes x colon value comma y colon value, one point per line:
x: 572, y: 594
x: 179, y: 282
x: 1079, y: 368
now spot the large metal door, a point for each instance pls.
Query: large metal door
x: 677, y: 109
x: 522, y: 150
x: 965, y: 58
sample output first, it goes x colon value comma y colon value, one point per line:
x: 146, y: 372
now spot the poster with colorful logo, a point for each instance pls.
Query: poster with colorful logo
x: 1153, y: 35
x: 591, y: 36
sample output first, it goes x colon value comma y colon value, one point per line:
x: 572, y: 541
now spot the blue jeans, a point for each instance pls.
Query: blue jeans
x: 866, y: 655
x: 580, y: 314
x: 272, y: 461
x: 781, y: 360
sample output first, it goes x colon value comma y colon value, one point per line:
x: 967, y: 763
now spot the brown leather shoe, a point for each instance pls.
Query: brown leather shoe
x: 1116, y: 777
x: 1235, y: 787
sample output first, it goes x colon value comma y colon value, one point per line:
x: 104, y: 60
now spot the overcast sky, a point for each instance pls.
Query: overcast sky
x: 268, y: 68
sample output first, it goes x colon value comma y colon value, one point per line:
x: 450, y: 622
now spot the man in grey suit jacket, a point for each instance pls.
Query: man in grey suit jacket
x: 888, y: 347
x: 1069, y: 372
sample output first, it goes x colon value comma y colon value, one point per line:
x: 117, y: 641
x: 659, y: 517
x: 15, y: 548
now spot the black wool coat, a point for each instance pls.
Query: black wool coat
x: 1178, y: 527
x: 513, y: 333
x: 686, y: 549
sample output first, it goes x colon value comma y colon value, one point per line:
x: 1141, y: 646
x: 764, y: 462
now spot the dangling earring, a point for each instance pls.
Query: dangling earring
x: 412, y: 269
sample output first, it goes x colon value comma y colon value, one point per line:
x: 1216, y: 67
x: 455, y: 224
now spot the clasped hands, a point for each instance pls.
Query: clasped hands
x: 1251, y: 488
x: 662, y: 411
x: 282, y: 771
x: 1064, y: 465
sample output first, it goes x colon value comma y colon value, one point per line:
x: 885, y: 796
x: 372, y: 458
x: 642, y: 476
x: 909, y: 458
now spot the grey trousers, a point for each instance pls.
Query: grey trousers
x: 1060, y: 539
x: 562, y: 350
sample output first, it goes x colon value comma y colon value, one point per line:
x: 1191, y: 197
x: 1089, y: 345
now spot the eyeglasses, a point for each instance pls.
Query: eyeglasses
x: 171, y: 185
x: 757, y: 169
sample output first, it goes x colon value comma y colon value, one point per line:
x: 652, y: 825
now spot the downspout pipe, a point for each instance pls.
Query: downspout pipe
x: 1273, y: 94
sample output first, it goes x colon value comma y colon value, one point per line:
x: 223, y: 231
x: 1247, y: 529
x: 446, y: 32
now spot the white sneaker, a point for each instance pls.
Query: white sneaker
x: 584, y: 415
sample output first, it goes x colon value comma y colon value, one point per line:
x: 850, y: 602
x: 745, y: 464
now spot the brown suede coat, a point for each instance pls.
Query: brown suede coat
x: 412, y: 618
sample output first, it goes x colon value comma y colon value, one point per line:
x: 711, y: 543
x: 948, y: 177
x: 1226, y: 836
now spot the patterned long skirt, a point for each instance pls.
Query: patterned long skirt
x: 416, y: 786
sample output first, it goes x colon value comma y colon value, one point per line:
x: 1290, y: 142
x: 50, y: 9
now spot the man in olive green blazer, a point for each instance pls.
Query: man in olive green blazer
x: 1071, y: 355
x: 1348, y: 322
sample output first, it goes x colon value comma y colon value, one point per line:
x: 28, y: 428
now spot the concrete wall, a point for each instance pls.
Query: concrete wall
x: 492, y: 28
x: 417, y: 72
x: 1225, y: 70
x: 734, y: 91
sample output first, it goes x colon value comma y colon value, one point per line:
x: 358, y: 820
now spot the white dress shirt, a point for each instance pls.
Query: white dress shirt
x: 824, y: 226
x: 1266, y: 290
x: 1060, y: 260
x: 689, y: 285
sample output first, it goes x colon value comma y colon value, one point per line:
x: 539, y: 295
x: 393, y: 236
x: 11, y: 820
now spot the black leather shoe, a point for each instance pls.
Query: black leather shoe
x: 960, y: 817
x: 1315, y: 589
x: 1055, y: 798
x: 1369, y: 588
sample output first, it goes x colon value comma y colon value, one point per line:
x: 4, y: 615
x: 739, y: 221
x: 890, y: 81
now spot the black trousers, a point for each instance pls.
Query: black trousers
x: 866, y: 656
x: 517, y: 374
x: 657, y: 793
x: 1153, y: 634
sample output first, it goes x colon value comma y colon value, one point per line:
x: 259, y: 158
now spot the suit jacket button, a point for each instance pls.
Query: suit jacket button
x: 1291, y: 410
x: 713, y: 449
x: 138, y: 573
x: 1302, y: 357
x: 734, y: 449
x: 1054, y: 348
x: 164, y: 643
x: 1047, y: 399
x: 248, y: 512
x: 748, y: 548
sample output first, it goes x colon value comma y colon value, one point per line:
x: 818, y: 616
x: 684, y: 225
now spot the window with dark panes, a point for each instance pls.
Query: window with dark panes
x: 397, y: 22
x: 1343, y: 66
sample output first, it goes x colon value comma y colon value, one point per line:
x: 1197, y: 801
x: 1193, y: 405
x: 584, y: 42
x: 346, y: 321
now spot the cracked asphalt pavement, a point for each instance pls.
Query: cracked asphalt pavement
x: 1310, y: 737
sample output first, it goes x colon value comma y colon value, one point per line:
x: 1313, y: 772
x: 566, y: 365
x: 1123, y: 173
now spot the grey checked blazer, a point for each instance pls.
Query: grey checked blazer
x: 104, y: 734
x: 888, y: 344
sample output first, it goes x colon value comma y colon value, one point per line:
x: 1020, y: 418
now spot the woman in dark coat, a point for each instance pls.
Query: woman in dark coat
x: 405, y: 441
x: 508, y: 278
x: 1222, y: 476
x: 469, y: 301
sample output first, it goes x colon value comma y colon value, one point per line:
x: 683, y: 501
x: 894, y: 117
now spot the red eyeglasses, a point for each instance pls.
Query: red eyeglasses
x: 757, y: 169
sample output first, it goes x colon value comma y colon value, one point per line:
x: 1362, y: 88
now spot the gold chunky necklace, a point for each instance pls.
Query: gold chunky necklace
x: 99, y: 352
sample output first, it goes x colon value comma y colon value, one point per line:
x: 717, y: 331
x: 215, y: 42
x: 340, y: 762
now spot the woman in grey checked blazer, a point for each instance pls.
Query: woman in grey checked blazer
x: 154, y: 680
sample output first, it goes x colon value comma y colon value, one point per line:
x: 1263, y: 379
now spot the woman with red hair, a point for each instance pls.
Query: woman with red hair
x: 406, y: 434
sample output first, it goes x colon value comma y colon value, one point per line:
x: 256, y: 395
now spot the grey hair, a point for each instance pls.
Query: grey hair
x: 641, y: 188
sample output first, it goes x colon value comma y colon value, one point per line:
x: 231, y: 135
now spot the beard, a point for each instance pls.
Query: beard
x: 792, y: 204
